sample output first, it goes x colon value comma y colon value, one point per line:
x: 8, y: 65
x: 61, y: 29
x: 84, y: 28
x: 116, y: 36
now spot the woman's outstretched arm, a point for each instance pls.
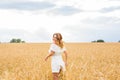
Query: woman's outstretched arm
x: 50, y: 54
x: 66, y: 56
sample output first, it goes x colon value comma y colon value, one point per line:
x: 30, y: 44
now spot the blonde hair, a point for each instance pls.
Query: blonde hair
x: 58, y: 36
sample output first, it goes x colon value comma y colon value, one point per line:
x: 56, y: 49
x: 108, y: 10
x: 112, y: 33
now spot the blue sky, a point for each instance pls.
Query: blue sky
x: 76, y: 20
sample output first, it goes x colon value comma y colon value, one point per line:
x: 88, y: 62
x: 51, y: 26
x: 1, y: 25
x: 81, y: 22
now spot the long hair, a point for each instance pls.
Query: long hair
x: 58, y: 36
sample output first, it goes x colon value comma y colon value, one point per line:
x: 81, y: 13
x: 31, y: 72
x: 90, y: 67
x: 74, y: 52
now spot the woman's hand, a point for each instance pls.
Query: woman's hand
x: 50, y: 54
x: 66, y: 63
x: 46, y: 58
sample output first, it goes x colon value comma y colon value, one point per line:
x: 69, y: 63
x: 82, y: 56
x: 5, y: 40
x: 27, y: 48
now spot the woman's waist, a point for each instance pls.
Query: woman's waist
x: 57, y: 58
x: 57, y: 61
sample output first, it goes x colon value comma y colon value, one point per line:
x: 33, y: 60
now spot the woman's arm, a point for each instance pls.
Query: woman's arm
x: 50, y: 54
x: 65, y: 52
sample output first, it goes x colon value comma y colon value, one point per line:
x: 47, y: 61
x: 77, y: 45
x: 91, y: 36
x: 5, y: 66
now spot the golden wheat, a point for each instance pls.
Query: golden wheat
x: 86, y: 61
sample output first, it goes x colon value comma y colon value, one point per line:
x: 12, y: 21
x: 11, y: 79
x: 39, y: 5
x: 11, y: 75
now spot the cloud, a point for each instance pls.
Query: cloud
x: 7, y: 34
x: 106, y: 28
x: 110, y: 9
x: 36, y: 6
x: 26, y: 5
x: 102, y: 20
x: 77, y: 20
x: 40, y: 35
x: 65, y: 10
x: 113, y: 0
x: 90, y: 34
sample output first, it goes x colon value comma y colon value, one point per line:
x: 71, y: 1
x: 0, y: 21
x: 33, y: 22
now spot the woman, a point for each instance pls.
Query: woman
x: 56, y: 50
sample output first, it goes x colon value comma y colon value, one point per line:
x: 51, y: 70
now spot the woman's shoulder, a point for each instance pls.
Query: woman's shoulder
x: 52, y: 44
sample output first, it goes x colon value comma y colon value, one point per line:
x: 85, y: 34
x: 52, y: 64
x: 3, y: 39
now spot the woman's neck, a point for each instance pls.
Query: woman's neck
x: 57, y: 43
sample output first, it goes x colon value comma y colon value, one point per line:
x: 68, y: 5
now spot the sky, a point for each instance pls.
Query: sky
x: 76, y: 20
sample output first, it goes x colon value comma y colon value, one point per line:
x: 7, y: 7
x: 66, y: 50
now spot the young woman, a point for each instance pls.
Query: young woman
x: 55, y: 51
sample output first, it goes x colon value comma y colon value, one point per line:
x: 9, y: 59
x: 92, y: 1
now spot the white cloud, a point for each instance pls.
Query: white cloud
x: 86, y: 23
x: 65, y: 10
x: 26, y: 5
x: 95, y: 29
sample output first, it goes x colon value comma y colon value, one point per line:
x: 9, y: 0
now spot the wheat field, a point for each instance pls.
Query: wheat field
x: 86, y: 61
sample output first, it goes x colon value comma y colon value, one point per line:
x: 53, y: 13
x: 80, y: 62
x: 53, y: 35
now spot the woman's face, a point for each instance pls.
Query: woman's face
x: 55, y: 38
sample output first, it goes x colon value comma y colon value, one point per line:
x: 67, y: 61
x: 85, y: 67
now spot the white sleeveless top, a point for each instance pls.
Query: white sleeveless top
x: 57, y: 60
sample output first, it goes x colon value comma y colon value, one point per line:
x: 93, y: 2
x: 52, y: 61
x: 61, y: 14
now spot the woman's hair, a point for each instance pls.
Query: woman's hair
x: 58, y: 36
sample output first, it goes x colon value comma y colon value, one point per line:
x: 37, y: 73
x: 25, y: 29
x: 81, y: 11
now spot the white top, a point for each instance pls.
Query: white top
x: 57, y: 61
x: 57, y: 57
